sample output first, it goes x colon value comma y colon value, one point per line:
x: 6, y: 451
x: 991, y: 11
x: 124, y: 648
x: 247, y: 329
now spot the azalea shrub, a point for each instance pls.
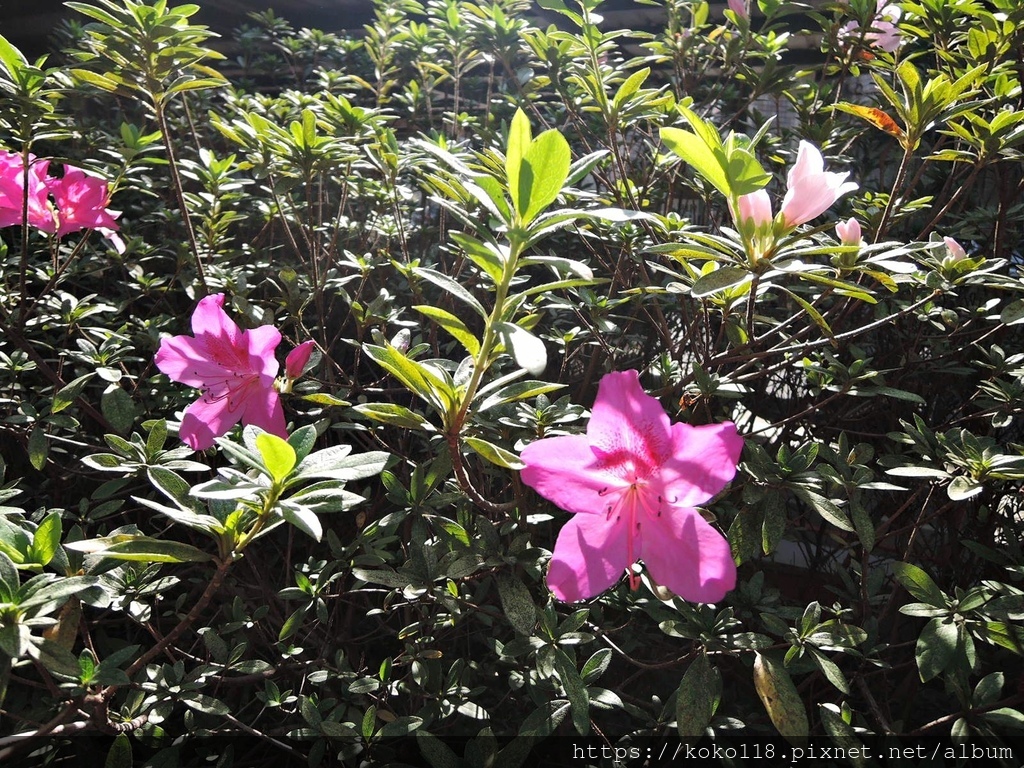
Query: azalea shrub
x: 500, y: 385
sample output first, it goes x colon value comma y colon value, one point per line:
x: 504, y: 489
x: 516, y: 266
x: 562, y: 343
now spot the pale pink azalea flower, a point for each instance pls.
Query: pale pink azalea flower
x: 82, y: 204
x: 235, y: 370
x: 739, y: 7
x: 849, y: 232
x: 633, y: 482
x: 955, y: 249
x: 811, y: 189
x: 755, y: 209
x: 884, y: 33
x: 12, y: 193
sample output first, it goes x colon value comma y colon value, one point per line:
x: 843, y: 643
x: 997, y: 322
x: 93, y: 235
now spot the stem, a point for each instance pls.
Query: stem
x: 172, y: 164
x: 190, y: 618
x: 883, y: 224
x: 952, y: 199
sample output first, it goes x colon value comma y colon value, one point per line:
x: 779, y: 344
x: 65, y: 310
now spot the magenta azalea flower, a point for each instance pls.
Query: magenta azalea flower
x: 633, y: 481
x: 82, y: 204
x: 811, y: 189
x: 235, y: 369
x: 12, y: 193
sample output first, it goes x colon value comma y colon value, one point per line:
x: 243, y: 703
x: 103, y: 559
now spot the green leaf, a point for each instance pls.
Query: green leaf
x: 701, y: 157
x: 453, y: 325
x: 575, y: 690
x: 118, y: 408
x: 528, y: 351
x: 9, y: 580
x: 417, y: 378
x: 67, y: 394
x: 149, y: 550
x: 517, y: 602
x: 12, y: 58
x: 38, y: 447
x: 596, y: 665
x: 963, y: 487
x: 120, y: 754
x: 494, y: 453
x: 278, y: 455
x: 335, y: 463
x: 435, y: 751
x: 780, y: 698
x: 304, y: 519
x: 546, y: 165
x: 919, y: 584
x: 843, y: 736
x: 46, y: 539
x: 719, y: 280
x: 1013, y: 313
x: 519, y: 138
x: 936, y: 647
x: 392, y: 413
x: 206, y: 704
x: 95, y: 79
x: 697, y: 698
x: 829, y: 511
x: 455, y: 288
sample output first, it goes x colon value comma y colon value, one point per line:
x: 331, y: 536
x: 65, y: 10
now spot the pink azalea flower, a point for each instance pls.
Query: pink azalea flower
x: 884, y: 33
x: 849, y: 232
x: 811, y: 189
x: 633, y: 482
x: 955, y: 249
x: 755, y: 209
x: 12, y: 192
x: 82, y: 204
x: 235, y: 369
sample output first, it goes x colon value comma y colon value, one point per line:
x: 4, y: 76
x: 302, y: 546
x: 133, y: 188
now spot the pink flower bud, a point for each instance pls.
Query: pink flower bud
x: 955, y: 249
x: 296, y: 361
x: 739, y: 7
x: 849, y: 232
x: 755, y: 209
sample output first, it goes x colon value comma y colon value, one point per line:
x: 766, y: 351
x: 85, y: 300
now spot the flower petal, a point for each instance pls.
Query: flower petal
x: 703, y: 461
x: 262, y: 406
x: 207, y: 418
x: 628, y: 429
x: 261, y: 343
x: 590, y: 555
x: 210, y: 319
x: 187, y: 361
x: 564, y: 470
x: 684, y: 553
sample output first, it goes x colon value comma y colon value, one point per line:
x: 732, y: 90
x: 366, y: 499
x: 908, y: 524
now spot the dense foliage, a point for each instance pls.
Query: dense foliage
x: 476, y: 214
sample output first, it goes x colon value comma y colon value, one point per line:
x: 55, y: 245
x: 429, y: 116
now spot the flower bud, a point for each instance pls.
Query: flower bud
x: 849, y: 232
x: 296, y: 361
x: 755, y: 209
x: 955, y: 249
x: 739, y: 7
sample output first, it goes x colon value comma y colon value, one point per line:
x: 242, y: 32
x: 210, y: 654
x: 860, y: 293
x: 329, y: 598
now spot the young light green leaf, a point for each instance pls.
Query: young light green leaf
x: 519, y: 138
x: 278, y: 455
x: 691, y: 148
x: 546, y: 164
